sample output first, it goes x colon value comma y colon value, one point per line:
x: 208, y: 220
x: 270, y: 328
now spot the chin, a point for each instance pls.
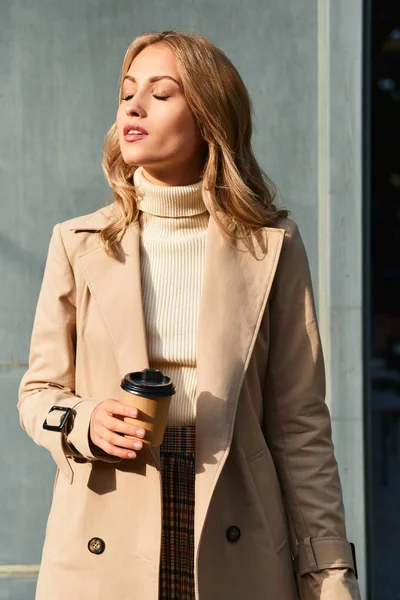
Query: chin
x: 136, y: 157
x: 132, y: 158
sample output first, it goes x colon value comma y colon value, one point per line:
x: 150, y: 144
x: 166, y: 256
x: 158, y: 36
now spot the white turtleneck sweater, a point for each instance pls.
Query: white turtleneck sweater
x: 173, y: 222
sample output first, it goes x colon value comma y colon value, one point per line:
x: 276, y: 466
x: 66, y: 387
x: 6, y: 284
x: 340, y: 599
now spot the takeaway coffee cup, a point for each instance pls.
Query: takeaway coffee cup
x: 149, y: 391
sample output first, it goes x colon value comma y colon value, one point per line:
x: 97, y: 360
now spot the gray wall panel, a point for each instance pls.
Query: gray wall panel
x: 27, y: 483
x: 344, y: 297
x: 17, y: 589
x: 61, y: 74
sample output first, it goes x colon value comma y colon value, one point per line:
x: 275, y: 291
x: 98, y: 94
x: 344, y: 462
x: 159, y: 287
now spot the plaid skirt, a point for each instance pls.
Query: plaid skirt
x: 178, y: 455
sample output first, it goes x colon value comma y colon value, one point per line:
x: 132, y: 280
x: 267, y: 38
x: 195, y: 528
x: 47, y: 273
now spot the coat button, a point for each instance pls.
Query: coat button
x: 233, y: 533
x: 96, y: 545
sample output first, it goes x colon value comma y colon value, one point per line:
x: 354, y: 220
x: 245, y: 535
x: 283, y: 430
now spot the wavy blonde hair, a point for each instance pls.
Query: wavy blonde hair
x: 241, y: 194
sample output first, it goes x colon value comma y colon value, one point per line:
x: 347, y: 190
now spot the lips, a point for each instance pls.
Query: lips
x: 132, y: 127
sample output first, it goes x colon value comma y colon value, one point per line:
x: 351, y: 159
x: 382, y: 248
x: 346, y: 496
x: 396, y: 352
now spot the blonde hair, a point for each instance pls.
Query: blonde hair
x: 241, y: 196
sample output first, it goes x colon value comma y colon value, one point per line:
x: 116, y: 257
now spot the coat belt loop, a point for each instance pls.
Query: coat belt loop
x: 310, y: 554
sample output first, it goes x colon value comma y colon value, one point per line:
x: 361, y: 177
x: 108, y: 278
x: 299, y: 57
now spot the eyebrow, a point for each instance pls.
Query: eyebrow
x: 154, y: 78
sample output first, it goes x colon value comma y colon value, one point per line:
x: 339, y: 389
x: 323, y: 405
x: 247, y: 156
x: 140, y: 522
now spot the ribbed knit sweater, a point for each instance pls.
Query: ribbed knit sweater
x: 173, y: 222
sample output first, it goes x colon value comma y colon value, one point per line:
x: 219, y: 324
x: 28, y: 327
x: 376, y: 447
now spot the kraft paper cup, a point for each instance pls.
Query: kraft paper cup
x: 150, y: 392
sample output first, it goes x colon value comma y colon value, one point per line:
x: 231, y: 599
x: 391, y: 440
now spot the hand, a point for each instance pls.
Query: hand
x: 107, y: 425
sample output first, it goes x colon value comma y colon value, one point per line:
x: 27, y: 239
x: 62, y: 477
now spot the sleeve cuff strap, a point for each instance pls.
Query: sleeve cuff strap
x: 316, y: 554
x: 79, y: 435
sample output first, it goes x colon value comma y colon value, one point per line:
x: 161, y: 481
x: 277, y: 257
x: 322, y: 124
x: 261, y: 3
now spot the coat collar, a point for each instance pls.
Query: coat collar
x: 235, y: 291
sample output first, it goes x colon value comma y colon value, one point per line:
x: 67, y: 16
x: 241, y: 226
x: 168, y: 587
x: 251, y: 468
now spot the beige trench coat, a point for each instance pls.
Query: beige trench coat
x: 263, y: 429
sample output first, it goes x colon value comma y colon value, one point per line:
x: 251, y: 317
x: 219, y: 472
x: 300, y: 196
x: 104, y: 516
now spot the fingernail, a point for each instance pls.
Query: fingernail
x: 131, y: 454
x: 134, y: 412
x: 140, y: 431
x: 137, y: 445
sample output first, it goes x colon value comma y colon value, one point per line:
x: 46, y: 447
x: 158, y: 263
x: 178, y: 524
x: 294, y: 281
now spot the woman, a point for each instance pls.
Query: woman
x: 192, y: 270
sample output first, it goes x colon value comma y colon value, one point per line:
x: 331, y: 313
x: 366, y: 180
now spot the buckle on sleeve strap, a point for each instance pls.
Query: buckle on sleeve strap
x: 56, y: 418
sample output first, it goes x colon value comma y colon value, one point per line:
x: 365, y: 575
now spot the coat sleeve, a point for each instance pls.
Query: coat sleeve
x: 50, y: 378
x: 297, y: 428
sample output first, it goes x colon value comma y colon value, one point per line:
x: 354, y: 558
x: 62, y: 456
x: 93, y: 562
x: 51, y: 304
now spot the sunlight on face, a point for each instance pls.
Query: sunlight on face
x: 153, y: 99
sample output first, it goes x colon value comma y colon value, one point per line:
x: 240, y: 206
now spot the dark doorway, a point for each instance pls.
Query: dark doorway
x: 382, y: 127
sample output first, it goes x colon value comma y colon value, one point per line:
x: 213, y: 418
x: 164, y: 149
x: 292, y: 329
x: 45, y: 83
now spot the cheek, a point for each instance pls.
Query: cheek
x: 180, y: 128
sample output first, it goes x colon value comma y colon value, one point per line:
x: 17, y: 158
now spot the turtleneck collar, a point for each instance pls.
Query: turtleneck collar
x: 166, y: 200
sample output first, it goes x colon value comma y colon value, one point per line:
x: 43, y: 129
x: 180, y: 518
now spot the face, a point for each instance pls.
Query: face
x: 170, y: 149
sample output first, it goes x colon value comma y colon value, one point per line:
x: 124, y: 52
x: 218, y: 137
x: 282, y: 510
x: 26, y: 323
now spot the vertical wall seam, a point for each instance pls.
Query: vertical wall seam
x: 323, y: 203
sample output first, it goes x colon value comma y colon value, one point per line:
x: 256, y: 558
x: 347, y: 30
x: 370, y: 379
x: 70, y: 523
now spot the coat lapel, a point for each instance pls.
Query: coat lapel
x: 116, y: 287
x: 235, y: 291
x: 234, y: 294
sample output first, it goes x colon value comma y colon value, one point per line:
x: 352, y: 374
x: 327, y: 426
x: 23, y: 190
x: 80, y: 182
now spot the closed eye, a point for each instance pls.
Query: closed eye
x: 154, y: 96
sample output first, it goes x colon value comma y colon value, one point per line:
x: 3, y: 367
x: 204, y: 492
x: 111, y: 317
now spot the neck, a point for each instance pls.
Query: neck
x: 169, y: 177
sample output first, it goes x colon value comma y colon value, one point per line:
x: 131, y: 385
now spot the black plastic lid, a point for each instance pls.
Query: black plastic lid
x: 148, y: 382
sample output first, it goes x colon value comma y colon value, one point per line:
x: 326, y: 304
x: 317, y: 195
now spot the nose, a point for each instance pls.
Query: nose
x: 134, y: 108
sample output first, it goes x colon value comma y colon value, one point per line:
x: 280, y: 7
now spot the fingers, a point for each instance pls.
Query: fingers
x: 115, y: 444
x: 120, y: 441
x: 120, y: 426
x: 107, y: 429
x: 116, y: 407
x: 115, y: 450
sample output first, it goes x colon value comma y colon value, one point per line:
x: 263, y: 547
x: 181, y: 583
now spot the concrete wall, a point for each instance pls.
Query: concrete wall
x: 60, y: 64
x: 340, y: 246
